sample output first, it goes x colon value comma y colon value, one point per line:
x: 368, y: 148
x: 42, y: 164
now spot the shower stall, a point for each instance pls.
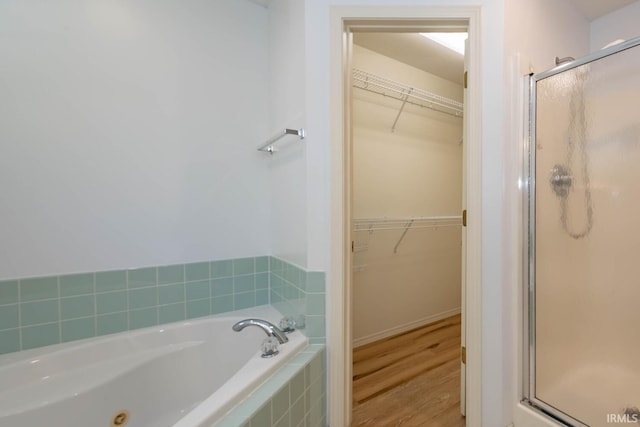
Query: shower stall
x: 582, y: 269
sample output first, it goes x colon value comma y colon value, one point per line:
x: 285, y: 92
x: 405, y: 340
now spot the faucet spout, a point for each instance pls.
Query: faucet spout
x: 269, y: 328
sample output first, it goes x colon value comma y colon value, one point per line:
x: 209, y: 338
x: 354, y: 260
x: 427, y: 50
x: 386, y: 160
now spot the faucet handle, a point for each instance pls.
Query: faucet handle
x: 287, y: 324
x: 270, y: 347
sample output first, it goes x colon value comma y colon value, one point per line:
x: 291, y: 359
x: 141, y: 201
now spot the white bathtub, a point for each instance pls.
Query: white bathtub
x: 184, y: 374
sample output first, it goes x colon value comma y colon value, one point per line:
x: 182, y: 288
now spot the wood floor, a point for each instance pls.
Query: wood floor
x: 411, y: 379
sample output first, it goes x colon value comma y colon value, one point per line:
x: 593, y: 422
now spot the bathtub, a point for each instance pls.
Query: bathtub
x: 184, y: 374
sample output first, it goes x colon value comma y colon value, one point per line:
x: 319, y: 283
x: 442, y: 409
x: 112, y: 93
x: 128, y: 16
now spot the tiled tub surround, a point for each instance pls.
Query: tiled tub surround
x: 35, y: 312
x: 295, y: 396
x: 299, y: 294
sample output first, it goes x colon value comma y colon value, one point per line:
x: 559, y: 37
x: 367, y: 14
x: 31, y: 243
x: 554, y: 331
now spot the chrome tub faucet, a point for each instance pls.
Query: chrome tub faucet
x: 269, y: 328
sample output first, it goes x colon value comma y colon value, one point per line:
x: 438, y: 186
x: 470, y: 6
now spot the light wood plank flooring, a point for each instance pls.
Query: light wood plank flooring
x: 411, y: 379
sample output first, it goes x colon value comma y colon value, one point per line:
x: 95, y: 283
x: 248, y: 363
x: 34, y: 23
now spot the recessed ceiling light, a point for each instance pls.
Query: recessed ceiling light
x: 453, y: 41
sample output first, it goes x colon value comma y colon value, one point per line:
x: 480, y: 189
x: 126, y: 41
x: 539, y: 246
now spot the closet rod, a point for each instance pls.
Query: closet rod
x: 267, y: 147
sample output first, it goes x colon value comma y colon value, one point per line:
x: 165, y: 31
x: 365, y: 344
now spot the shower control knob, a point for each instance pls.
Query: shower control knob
x: 561, y: 180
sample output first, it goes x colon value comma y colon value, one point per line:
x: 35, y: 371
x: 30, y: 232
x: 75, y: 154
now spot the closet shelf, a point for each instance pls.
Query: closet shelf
x: 403, y: 223
x: 405, y: 93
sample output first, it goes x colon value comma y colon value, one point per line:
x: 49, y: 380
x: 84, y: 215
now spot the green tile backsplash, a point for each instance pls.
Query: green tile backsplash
x: 9, y: 292
x: 142, y: 277
x: 143, y: 318
x: 9, y: 316
x: 9, y: 341
x: 39, y: 336
x: 77, y: 329
x: 76, y: 307
x: 37, y: 289
x: 170, y: 274
x: 107, y: 281
x: 301, y: 295
x: 40, y: 311
x: 77, y: 284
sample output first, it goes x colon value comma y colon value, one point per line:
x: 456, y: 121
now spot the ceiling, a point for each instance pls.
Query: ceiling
x: 429, y: 56
x: 593, y: 9
x: 417, y: 51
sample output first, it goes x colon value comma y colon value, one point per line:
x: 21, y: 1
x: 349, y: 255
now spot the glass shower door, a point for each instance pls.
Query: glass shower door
x: 584, y: 240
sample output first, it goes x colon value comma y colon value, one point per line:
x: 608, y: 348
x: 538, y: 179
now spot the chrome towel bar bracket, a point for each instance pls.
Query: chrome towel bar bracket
x: 268, y: 147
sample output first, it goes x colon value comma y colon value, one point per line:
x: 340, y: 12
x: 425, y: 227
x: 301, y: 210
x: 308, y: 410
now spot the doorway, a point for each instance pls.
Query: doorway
x: 406, y: 121
x: 344, y: 20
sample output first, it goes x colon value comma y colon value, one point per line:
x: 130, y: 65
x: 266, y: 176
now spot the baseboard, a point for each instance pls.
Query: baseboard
x: 404, y: 328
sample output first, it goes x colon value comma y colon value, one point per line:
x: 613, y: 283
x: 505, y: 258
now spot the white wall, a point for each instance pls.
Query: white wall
x: 414, y: 171
x: 128, y: 132
x: 541, y: 30
x: 287, y: 168
x: 621, y: 24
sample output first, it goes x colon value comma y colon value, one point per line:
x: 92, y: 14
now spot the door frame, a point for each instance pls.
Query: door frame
x: 340, y: 279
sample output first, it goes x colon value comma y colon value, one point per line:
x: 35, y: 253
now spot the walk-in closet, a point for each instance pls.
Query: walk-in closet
x: 407, y: 186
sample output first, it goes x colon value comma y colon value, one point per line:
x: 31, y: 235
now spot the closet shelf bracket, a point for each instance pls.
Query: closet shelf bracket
x: 404, y: 102
x: 404, y: 233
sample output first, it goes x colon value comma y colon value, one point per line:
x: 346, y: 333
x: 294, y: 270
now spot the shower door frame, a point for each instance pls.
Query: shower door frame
x: 529, y: 210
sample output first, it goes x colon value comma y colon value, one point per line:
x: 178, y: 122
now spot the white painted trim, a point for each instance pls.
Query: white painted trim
x: 339, y: 345
x: 473, y: 307
x: 404, y: 328
x: 340, y: 281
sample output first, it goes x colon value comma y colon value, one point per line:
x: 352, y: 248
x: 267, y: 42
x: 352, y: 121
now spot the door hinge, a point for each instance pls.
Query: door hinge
x: 463, y: 355
x: 464, y: 218
x: 465, y: 79
x: 352, y: 246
